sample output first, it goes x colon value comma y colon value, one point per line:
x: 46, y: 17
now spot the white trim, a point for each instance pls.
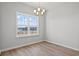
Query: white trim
x: 37, y: 42
x: 62, y: 45
x: 28, y: 32
x: 20, y: 46
x: 29, y: 35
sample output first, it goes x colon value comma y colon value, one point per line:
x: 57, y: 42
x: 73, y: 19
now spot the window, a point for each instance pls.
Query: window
x: 27, y: 25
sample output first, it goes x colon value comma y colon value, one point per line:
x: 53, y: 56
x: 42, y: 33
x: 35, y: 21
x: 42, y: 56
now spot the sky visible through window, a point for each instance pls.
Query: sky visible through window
x: 24, y: 21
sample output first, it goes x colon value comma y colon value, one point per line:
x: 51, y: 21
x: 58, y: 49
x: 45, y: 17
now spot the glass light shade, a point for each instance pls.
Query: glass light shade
x: 37, y: 13
x: 42, y: 13
x: 34, y: 11
x: 43, y: 10
x: 38, y: 9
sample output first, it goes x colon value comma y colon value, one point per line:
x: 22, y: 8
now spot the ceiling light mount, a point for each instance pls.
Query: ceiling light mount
x: 39, y: 11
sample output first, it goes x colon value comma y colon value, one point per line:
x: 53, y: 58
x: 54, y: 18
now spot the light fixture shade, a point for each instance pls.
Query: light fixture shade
x: 34, y: 11
x: 37, y: 13
x: 42, y: 13
x: 43, y: 10
x: 38, y: 9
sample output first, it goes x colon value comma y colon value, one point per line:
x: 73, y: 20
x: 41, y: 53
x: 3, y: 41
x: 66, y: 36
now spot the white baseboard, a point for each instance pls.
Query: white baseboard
x: 20, y: 46
x: 63, y: 45
x: 37, y: 42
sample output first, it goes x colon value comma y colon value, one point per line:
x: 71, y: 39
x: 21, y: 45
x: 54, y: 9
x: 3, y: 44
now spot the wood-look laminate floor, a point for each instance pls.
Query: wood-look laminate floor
x: 41, y: 49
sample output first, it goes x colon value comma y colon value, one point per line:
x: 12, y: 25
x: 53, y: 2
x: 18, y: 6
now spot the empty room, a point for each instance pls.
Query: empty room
x: 39, y: 28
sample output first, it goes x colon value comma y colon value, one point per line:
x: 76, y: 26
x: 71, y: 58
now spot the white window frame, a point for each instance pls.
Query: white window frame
x: 29, y: 34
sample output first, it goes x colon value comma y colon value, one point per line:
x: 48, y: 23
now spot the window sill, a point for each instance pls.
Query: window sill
x: 25, y: 35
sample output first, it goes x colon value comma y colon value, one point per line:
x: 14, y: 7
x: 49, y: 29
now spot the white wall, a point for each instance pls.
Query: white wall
x: 8, y: 26
x: 0, y: 27
x: 62, y: 25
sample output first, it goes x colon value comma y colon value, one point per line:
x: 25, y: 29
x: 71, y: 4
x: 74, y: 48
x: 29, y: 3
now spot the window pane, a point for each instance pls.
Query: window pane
x: 33, y: 28
x: 27, y: 24
x: 22, y: 29
x: 22, y: 22
x: 33, y: 21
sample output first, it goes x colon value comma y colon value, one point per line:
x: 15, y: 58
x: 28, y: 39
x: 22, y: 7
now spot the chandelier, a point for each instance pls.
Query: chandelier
x: 39, y: 11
